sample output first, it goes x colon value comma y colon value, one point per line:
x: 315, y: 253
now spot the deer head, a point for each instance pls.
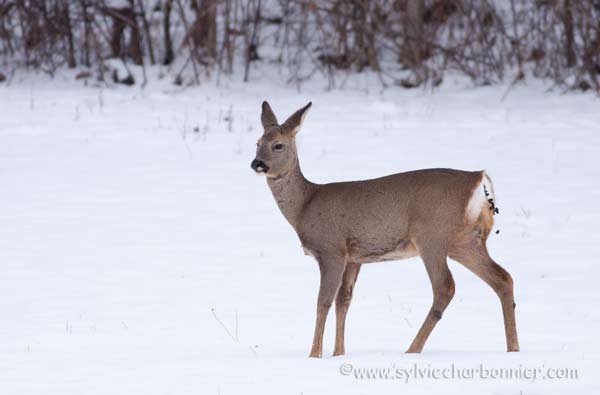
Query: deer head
x: 276, y: 150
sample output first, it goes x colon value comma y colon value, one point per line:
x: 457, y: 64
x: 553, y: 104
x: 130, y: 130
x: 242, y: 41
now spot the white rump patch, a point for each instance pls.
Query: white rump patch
x: 479, y: 200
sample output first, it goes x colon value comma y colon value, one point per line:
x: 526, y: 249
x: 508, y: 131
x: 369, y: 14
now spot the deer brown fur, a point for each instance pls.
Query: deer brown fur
x: 432, y: 213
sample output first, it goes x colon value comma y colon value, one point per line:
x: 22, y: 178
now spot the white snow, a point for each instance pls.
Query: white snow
x: 140, y: 254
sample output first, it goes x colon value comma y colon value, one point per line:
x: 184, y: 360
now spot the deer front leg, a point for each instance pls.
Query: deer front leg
x: 332, y: 270
x: 342, y: 304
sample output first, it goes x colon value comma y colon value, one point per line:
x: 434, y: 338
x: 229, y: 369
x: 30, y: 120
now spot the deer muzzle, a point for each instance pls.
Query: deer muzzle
x: 259, y: 166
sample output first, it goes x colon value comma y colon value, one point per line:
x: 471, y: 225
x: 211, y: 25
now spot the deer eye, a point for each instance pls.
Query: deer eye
x: 278, y: 147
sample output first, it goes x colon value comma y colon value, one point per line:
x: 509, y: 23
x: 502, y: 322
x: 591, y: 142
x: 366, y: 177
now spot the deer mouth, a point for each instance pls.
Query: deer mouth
x: 259, y: 166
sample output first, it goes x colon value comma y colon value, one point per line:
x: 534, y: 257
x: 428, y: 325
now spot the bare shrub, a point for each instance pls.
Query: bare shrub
x: 406, y: 42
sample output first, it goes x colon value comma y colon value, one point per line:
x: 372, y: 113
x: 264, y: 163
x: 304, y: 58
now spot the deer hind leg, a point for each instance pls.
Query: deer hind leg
x: 332, y: 270
x: 342, y: 304
x: 473, y: 254
x: 443, y: 291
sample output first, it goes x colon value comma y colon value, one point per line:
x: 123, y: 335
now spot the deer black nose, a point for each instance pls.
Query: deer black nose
x: 259, y: 166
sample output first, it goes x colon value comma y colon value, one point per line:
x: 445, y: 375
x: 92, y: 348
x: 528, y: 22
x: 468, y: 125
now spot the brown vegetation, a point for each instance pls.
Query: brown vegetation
x: 406, y: 42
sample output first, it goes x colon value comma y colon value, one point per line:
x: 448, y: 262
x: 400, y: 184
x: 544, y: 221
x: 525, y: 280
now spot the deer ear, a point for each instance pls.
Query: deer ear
x: 267, y: 118
x: 292, y: 124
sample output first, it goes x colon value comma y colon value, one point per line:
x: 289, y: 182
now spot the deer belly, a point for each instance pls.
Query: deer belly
x: 365, y: 253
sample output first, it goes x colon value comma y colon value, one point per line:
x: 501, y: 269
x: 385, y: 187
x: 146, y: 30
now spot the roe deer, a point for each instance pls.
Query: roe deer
x: 433, y: 213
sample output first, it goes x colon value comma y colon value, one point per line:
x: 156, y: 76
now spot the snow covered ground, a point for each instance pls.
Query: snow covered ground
x: 141, y: 255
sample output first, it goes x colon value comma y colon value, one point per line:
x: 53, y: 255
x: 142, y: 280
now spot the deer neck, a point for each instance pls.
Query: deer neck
x: 291, y: 191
